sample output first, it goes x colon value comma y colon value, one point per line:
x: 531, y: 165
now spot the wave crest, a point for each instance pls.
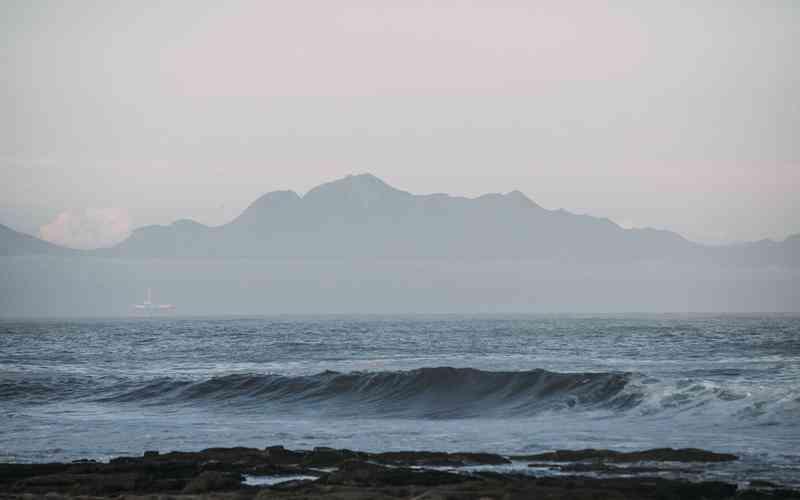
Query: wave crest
x: 430, y: 393
x: 423, y: 393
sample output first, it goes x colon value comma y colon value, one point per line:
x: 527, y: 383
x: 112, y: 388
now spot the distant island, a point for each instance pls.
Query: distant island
x: 359, y: 245
x: 362, y: 216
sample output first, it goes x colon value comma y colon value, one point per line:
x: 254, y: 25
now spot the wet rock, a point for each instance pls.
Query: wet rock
x: 432, y: 458
x: 185, y: 464
x: 314, y: 491
x: 358, y: 472
x: 772, y: 494
x: 83, y: 484
x: 330, y: 457
x: 11, y: 473
x: 238, y: 455
x: 654, y: 455
x: 684, y: 490
x: 599, y: 466
x: 46, y: 483
x: 760, y: 483
x: 168, y: 485
x: 281, y: 470
x: 216, y: 473
x: 279, y: 455
x: 213, y: 481
x: 511, y: 487
x: 642, y: 488
x: 154, y: 469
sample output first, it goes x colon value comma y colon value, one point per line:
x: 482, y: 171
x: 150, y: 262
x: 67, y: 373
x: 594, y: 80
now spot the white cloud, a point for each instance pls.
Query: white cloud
x: 89, y: 228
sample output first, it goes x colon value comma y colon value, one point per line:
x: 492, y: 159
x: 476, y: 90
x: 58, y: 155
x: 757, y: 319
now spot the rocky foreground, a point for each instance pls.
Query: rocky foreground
x: 350, y: 475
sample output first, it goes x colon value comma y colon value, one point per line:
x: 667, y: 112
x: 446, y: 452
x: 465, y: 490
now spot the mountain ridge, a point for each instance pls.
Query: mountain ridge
x: 363, y: 216
x: 15, y: 243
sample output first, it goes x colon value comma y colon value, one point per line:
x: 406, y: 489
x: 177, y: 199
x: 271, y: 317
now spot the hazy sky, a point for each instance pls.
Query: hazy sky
x: 677, y: 115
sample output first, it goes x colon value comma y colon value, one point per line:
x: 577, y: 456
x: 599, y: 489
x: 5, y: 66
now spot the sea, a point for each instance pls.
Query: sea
x: 100, y: 388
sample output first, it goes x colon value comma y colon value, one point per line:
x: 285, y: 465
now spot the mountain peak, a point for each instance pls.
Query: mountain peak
x: 514, y: 198
x: 358, y: 181
x: 520, y: 197
x: 365, y: 177
x: 364, y: 188
x: 272, y: 201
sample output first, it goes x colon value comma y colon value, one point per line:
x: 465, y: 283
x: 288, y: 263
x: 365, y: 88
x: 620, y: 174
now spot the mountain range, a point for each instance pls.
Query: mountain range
x: 15, y: 243
x: 362, y: 216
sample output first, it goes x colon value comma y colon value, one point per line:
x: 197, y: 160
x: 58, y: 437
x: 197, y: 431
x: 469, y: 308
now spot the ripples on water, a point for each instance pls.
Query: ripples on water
x: 99, y: 388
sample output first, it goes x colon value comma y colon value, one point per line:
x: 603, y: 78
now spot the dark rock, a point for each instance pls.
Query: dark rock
x: 83, y: 484
x: 244, y: 456
x: 433, y: 458
x: 684, y: 490
x: 771, y: 494
x: 279, y: 455
x: 11, y: 473
x: 47, y: 483
x: 281, y: 470
x: 365, y: 476
x: 109, y: 484
x: 156, y: 469
x: 357, y: 472
x: 654, y: 455
x: 213, y: 481
x: 602, y: 467
x: 760, y: 483
x: 642, y: 488
x: 330, y: 457
x: 168, y: 485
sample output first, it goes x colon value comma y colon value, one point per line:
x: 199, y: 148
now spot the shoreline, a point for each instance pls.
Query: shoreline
x: 328, y: 473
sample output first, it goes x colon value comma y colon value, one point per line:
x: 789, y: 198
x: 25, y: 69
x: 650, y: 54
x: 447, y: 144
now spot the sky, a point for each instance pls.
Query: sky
x: 675, y: 115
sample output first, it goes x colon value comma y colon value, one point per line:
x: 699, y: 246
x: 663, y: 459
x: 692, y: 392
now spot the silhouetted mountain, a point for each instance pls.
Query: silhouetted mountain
x: 362, y: 216
x: 16, y: 243
x: 784, y: 253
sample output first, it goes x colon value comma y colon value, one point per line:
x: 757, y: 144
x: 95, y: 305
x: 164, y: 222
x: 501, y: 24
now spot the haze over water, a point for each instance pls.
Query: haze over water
x: 517, y: 384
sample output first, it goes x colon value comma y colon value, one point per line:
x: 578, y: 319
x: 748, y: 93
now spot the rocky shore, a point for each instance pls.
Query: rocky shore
x: 328, y: 473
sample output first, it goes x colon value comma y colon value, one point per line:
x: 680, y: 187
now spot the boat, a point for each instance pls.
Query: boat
x: 149, y: 308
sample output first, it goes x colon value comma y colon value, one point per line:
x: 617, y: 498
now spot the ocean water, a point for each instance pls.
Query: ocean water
x: 97, y: 389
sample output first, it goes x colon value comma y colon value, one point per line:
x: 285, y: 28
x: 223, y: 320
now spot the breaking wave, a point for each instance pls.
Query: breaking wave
x: 423, y: 393
x: 434, y: 393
